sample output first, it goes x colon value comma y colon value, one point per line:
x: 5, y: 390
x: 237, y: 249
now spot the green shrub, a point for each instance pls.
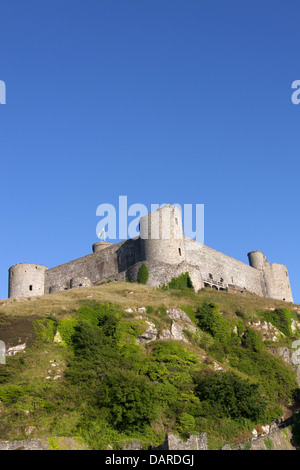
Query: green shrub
x: 66, y: 329
x: 210, y: 320
x: 281, y: 318
x: 181, y: 282
x: 129, y: 398
x: 186, y: 423
x: 252, y: 340
x: 227, y: 394
x: 268, y: 443
x: 143, y: 274
x: 45, y: 329
x: 89, y: 314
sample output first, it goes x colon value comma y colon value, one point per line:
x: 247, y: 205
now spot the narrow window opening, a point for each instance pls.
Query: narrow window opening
x: 30, y: 287
x: 210, y: 276
x: 176, y: 221
x: 179, y: 251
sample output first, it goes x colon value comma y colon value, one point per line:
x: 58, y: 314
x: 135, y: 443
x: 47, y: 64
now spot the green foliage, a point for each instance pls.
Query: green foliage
x: 66, y: 328
x: 143, y: 274
x: 11, y: 393
x: 181, y: 282
x: 252, y: 340
x: 281, y: 318
x: 186, y: 424
x: 130, y: 399
x: 45, y: 329
x: 210, y: 320
x: 114, y: 389
x: 226, y: 394
x: 268, y: 443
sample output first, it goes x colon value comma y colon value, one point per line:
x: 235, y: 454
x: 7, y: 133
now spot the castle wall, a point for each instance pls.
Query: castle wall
x: 277, y: 282
x: 162, y: 273
x: 93, y: 268
x: 26, y: 280
x: 216, y: 266
x: 167, y: 254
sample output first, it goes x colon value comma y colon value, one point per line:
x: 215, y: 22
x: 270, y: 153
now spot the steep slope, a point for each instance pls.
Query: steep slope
x: 122, y: 361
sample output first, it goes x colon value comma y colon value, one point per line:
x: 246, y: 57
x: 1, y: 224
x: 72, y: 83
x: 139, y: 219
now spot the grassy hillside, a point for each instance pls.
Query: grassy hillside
x: 88, y: 371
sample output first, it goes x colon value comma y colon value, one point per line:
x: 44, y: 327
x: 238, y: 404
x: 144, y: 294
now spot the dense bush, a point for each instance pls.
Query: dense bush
x: 45, y: 329
x: 143, y: 274
x: 229, y: 395
x: 114, y: 388
x: 183, y: 281
x: 252, y: 340
x: 130, y: 399
x: 281, y: 318
x: 210, y: 320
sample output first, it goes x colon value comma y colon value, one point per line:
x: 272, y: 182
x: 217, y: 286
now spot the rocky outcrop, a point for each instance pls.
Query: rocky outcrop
x: 290, y: 356
x: 15, y: 349
x: 54, y: 443
x: 194, y: 442
x: 268, y: 331
x: 180, y: 323
x: 149, y: 335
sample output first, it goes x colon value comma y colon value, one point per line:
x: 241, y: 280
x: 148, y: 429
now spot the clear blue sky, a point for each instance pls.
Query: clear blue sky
x: 185, y: 101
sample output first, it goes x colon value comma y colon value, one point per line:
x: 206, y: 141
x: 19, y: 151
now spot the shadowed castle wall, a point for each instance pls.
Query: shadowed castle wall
x: 92, y: 269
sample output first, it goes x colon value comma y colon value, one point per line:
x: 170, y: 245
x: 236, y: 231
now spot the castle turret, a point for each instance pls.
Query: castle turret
x: 99, y: 246
x: 161, y: 236
x: 274, y: 277
x: 26, y: 280
x: 257, y: 259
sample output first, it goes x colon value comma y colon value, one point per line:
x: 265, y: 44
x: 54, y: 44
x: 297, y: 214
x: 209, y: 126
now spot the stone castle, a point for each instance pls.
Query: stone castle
x: 165, y: 257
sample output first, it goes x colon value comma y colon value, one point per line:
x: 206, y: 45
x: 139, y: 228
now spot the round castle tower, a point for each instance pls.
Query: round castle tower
x: 99, y: 246
x: 161, y: 236
x: 257, y: 259
x: 26, y: 280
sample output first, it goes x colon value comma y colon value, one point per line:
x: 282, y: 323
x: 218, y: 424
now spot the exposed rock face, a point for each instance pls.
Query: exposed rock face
x: 57, y: 338
x: 15, y: 349
x: 28, y: 444
x: 268, y: 331
x: 178, y: 314
x: 59, y: 443
x: 177, y: 332
x: 278, y: 440
x: 194, y: 442
x: 133, y: 445
x: 149, y: 335
x: 181, y: 322
x: 290, y: 356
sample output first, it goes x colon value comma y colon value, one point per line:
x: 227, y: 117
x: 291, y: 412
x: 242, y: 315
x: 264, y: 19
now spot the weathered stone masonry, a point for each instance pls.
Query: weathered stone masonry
x: 167, y: 253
